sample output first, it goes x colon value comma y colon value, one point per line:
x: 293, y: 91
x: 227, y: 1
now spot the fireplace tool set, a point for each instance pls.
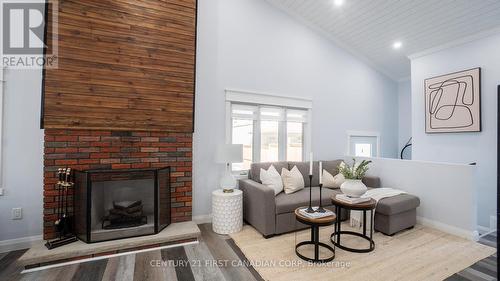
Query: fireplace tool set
x: 64, y: 222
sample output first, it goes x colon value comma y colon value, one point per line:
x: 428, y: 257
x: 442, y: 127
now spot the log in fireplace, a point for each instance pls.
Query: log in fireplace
x: 115, y: 204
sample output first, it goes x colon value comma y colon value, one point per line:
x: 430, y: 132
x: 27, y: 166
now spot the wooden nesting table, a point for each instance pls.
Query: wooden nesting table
x: 315, y: 224
x: 338, y: 232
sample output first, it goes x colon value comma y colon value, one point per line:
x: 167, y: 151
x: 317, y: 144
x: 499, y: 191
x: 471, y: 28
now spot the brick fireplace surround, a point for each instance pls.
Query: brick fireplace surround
x: 89, y: 149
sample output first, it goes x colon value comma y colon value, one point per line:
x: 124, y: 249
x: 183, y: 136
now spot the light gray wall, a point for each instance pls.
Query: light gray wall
x: 453, y: 214
x: 250, y: 45
x: 22, y: 154
x: 462, y: 147
x: 404, y: 114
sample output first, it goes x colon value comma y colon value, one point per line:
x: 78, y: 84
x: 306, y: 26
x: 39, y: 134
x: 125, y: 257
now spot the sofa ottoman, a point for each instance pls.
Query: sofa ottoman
x: 396, y: 213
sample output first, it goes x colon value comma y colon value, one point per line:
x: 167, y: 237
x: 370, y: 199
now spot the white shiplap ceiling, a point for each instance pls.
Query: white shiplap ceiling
x: 368, y: 28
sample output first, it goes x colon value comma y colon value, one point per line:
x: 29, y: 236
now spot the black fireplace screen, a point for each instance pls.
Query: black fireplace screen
x: 115, y: 204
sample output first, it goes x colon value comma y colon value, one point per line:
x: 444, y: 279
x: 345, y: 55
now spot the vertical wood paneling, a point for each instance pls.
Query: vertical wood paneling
x: 123, y: 65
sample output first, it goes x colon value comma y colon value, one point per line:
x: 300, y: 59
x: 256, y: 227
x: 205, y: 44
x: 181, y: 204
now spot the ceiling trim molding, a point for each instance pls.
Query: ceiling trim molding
x: 335, y: 42
x: 461, y: 41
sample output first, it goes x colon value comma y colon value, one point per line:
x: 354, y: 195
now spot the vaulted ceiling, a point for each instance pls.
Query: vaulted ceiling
x: 368, y: 29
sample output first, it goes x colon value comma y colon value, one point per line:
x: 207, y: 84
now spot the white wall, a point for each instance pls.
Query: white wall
x: 22, y: 155
x: 404, y: 114
x: 207, y: 132
x: 462, y: 147
x: 250, y: 45
x: 436, y: 184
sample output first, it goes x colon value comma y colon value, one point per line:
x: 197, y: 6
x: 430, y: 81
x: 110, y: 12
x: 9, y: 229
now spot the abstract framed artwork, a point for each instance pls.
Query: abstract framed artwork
x: 453, y: 102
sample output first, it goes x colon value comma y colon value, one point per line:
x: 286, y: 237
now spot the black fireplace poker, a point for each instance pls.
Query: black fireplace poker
x: 64, y: 222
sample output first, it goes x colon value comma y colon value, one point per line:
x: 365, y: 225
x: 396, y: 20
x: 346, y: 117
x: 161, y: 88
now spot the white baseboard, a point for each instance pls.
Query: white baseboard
x: 202, y: 219
x: 467, y: 234
x: 483, y: 229
x: 19, y: 243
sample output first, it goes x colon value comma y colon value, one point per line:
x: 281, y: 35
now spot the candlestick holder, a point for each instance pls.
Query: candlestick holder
x: 320, y: 208
x: 310, y: 209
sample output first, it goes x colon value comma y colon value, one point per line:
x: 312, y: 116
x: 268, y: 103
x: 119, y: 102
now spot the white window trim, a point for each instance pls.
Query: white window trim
x: 362, y: 134
x: 266, y: 99
x: 250, y: 97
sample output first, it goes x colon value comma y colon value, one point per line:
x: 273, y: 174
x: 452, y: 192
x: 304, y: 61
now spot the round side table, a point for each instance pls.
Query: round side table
x: 338, y: 232
x: 315, y: 224
x: 227, y: 211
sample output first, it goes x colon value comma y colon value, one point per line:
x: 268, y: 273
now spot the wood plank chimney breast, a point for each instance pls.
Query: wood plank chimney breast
x: 123, y: 65
x: 122, y: 96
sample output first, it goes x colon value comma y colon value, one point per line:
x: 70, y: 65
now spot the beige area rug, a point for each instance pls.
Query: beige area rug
x: 421, y: 253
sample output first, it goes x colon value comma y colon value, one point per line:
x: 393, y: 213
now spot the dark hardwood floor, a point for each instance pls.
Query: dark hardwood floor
x: 483, y: 270
x: 203, y: 261
x: 215, y: 258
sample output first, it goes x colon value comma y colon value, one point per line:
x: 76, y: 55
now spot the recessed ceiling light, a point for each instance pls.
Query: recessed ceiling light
x: 397, y: 45
x: 338, y: 3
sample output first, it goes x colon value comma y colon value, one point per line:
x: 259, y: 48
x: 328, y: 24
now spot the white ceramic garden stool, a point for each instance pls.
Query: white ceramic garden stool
x: 227, y: 211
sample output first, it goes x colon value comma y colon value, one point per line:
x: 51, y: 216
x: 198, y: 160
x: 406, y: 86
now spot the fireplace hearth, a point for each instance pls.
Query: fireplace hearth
x: 116, y: 204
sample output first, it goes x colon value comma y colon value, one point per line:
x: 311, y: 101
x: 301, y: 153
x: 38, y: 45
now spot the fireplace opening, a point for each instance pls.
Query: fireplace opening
x: 116, y: 204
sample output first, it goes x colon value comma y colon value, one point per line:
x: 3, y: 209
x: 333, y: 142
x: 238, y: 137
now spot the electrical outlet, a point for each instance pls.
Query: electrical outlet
x: 17, y: 213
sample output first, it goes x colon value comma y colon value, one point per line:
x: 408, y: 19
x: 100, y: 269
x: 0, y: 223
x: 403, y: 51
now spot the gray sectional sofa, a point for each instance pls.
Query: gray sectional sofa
x: 272, y: 215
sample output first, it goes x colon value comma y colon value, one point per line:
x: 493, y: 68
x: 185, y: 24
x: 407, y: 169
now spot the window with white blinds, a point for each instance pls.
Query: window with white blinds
x: 268, y: 133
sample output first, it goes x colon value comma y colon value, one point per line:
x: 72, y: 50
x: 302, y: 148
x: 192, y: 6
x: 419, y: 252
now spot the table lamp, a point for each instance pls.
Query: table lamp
x: 227, y: 154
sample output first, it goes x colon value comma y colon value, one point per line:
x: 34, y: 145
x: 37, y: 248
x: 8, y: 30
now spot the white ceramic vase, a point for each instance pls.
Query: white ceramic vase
x: 353, y: 188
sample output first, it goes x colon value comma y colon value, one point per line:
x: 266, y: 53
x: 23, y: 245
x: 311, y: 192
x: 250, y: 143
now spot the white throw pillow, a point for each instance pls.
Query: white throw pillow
x: 293, y: 180
x: 272, y: 179
x: 331, y: 181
